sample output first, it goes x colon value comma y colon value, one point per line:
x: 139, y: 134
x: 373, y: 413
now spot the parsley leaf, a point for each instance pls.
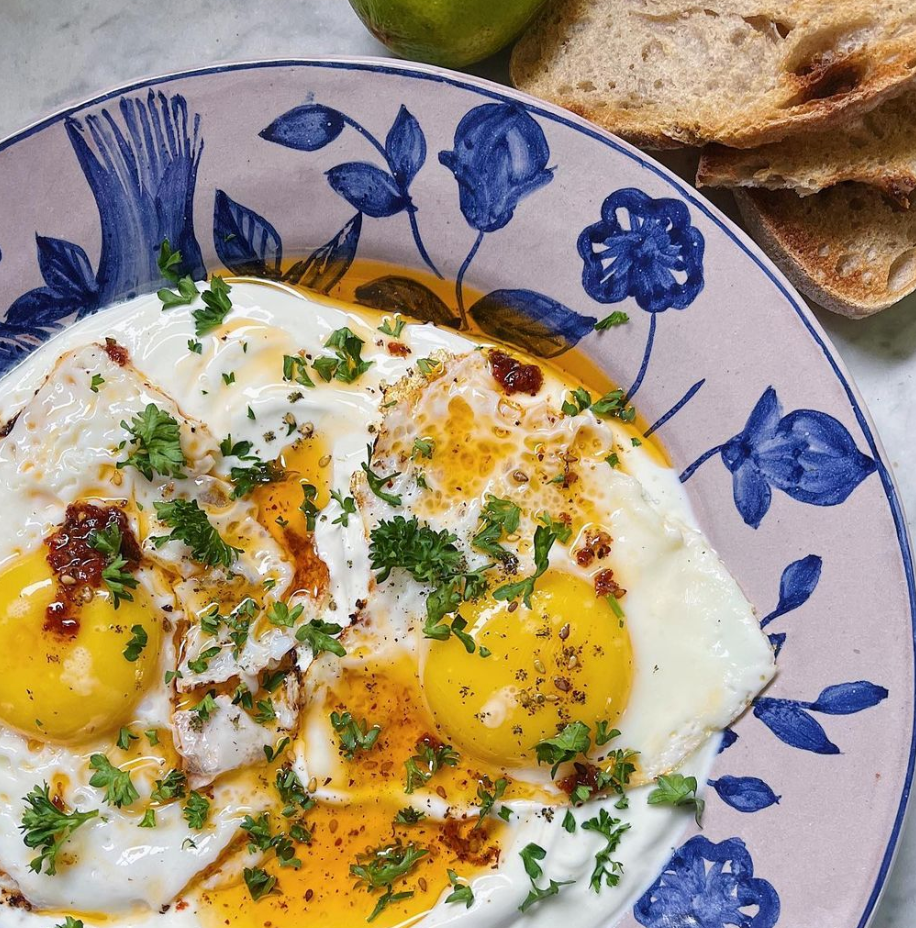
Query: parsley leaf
x: 607, y: 872
x: 531, y: 856
x: 125, y: 736
x: 259, y: 882
x: 613, y: 406
x: 148, y: 820
x: 295, y: 369
x: 488, y: 799
x: 347, y: 505
x: 139, y: 640
x: 279, y: 614
x: 96, y: 382
x: 317, y: 635
x: 292, y: 792
x: 380, y: 867
x: 217, y: 306
x: 308, y: 506
x: 169, y: 267
x: 499, y: 516
x: 172, y: 786
x: 462, y: 891
x: 377, y: 483
x: 189, y: 524
x: 394, y: 331
x: 47, y: 827
x: 119, y: 581
x: 560, y: 528
x: 677, y: 790
x: 70, y: 922
x: 354, y: 736
x: 427, y: 761
x: 581, y: 400
x: 246, y: 479
x: 569, y: 822
x: 618, y: 317
x: 119, y: 789
x: 196, y: 810
x: 543, y: 542
x: 573, y: 740
x: 422, y: 447
x: 428, y: 556
x: 347, y: 365
x: 157, y: 444
x: 409, y: 816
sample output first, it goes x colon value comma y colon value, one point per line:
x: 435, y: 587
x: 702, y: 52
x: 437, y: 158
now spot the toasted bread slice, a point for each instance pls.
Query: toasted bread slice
x: 665, y: 73
x: 846, y: 247
x: 878, y: 148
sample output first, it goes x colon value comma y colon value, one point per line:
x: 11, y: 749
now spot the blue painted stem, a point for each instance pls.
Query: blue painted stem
x: 702, y: 459
x: 645, y: 361
x: 676, y: 408
x: 411, y: 209
x: 412, y: 213
x: 459, y: 280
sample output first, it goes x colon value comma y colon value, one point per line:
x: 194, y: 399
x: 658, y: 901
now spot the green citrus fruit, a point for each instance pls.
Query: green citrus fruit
x: 453, y: 33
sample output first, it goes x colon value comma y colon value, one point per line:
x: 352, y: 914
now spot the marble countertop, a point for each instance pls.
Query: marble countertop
x: 55, y: 52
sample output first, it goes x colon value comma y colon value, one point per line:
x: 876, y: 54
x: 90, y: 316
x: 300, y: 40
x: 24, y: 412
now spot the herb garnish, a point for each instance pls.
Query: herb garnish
x: 543, y: 542
x: 169, y: 264
x: 677, y: 790
x: 355, y: 736
x: 47, y: 827
x: 317, y: 635
x: 189, y: 523
x: 119, y: 581
x: 217, y: 306
x: 607, y: 872
x: 488, y: 799
x: 531, y: 856
x: 499, y: 517
x: 119, y: 789
x: 347, y: 365
x: 295, y: 369
x: 427, y: 761
x: 259, y: 882
x: 394, y: 331
x: 462, y: 892
x: 379, y: 868
x: 172, y: 786
x: 196, y: 810
x: 157, y: 444
x: 409, y: 816
x: 618, y: 317
x: 377, y: 483
x: 347, y: 505
x: 138, y: 641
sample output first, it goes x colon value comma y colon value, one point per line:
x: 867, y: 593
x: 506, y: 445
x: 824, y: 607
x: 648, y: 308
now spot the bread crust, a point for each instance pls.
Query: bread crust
x: 799, y: 66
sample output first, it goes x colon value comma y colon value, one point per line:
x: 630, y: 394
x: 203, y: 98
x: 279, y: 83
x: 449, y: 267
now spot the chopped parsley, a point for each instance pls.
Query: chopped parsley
x: 169, y: 267
x: 125, y: 736
x: 96, y: 382
x: 196, y: 810
x: 409, y: 816
x: 189, y: 524
x: 355, y: 736
x: 422, y: 447
x: 569, y: 822
x: 70, y: 922
x: 259, y: 882
x: 258, y: 473
x: 195, y: 347
x: 120, y: 582
x: 292, y: 792
x: 47, y: 827
x: 427, y: 761
x: 217, y: 306
x: 612, y: 405
x: 377, y: 483
x: 618, y: 317
x: 607, y: 872
x: 347, y: 365
x: 206, y: 707
x: 543, y: 542
x: 394, y: 331
x: 573, y: 740
x: 462, y: 892
x: 531, y: 856
x: 138, y: 641
x: 580, y: 400
x: 119, y: 789
x: 677, y: 790
x: 308, y: 507
x: 156, y: 442
x: 266, y: 712
x: 279, y: 614
x: 172, y: 786
x: 563, y: 530
x: 379, y: 868
x: 317, y: 635
x: 499, y: 517
x: 347, y: 508
x: 148, y: 820
x: 488, y: 800
x: 295, y: 369
x: 202, y: 661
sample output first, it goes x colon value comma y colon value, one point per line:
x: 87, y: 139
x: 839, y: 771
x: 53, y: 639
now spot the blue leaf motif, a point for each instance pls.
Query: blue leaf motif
x: 367, y: 188
x: 645, y: 248
x: 405, y: 148
x: 500, y: 157
x: 409, y: 297
x: 707, y: 885
x: 305, y: 128
x: 808, y: 455
x: 848, y: 698
x: 796, y: 585
x: 777, y: 640
x: 793, y: 725
x: 328, y: 263
x: 245, y: 242
x: 66, y: 270
x: 728, y: 739
x: 530, y: 320
x: 745, y: 794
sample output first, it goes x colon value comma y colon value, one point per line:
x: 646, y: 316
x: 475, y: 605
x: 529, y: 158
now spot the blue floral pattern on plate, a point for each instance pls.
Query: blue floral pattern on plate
x: 140, y: 159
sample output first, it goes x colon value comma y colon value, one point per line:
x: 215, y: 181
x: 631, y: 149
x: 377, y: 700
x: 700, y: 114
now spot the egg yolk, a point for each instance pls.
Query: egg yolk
x: 63, y: 688
x: 567, y: 658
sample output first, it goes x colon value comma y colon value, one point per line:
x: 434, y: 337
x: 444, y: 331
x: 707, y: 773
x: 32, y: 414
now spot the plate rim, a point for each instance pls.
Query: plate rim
x: 556, y: 114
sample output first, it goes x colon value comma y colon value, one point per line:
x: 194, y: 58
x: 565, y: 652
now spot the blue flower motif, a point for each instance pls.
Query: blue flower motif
x: 808, y: 455
x: 142, y: 173
x: 500, y: 157
x: 645, y: 248
x: 707, y: 885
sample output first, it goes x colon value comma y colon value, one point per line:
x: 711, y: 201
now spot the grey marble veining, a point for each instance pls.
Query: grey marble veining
x: 54, y: 52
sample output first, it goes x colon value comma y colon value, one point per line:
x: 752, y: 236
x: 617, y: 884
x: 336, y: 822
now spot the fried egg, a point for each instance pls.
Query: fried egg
x: 292, y: 610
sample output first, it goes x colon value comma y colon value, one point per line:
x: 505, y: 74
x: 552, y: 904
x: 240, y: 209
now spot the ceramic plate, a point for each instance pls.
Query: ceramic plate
x: 310, y: 168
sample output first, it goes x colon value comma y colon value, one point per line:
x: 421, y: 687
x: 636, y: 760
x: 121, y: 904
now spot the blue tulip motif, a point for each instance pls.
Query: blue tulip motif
x: 378, y: 192
x: 142, y: 170
x: 709, y: 885
x: 808, y: 455
x: 499, y: 157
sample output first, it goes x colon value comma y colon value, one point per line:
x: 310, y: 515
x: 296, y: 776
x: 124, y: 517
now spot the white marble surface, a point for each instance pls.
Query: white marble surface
x: 54, y: 52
